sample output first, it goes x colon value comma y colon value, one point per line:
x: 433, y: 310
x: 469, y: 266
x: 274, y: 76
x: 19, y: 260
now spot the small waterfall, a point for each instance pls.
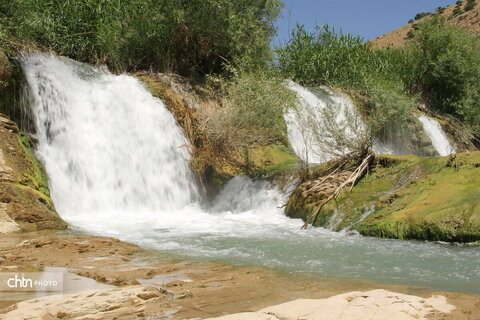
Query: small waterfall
x: 382, y: 147
x: 335, y: 220
x: 107, y: 143
x: 367, y: 211
x: 323, y: 125
x: 434, y: 131
x: 242, y: 194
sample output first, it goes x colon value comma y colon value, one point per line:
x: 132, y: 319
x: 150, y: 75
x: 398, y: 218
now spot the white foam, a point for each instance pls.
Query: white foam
x: 309, y: 129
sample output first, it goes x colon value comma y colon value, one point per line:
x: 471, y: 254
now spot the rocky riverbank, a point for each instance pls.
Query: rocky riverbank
x: 131, y: 283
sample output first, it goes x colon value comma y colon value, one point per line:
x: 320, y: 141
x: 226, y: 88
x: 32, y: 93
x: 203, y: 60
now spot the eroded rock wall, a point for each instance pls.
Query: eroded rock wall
x: 25, y: 203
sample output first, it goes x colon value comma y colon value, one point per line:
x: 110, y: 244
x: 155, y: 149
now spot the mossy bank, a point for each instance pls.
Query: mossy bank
x: 405, y: 197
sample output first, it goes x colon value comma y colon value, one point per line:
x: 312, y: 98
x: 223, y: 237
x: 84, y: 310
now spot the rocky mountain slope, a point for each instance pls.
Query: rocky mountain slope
x: 455, y: 14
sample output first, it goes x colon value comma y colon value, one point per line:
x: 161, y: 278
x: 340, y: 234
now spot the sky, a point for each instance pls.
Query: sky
x: 367, y: 18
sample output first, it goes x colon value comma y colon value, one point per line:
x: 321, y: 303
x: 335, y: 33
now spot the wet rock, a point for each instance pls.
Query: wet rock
x: 24, y: 194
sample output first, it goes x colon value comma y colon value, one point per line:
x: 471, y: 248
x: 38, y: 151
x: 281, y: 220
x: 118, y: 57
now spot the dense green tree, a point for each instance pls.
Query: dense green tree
x: 192, y: 37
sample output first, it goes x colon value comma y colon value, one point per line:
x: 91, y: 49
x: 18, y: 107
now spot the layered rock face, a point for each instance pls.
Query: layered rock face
x: 25, y: 203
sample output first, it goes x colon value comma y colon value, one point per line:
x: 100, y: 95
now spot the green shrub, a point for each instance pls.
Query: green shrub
x: 421, y: 15
x: 445, y: 68
x: 256, y: 102
x: 388, y: 111
x: 470, y: 5
x: 252, y: 114
x: 328, y: 58
x: 457, y: 11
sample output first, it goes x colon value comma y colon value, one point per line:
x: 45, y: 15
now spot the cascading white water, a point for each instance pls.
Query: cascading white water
x: 434, y: 131
x: 311, y: 132
x: 381, y: 147
x: 118, y: 166
x: 118, y: 161
x: 320, y: 114
x: 300, y: 138
x: 108, y: 145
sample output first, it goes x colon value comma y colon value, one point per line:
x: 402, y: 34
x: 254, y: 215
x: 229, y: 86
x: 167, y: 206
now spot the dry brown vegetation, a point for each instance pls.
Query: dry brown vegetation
x: 221, y: 145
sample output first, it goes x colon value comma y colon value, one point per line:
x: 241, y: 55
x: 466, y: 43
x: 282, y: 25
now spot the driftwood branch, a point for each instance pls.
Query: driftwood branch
x: 359, y: 171
x: 333, y: 172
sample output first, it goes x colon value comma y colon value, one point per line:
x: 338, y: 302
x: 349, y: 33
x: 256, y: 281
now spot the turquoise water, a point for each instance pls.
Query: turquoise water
x: 434, y: 265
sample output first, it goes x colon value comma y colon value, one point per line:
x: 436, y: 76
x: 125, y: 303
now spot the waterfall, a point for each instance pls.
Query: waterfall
x: 434, y: 131
x: 324, y: 124
x: 119, y: 163
x: 119, y: 166
x: 108, y: 145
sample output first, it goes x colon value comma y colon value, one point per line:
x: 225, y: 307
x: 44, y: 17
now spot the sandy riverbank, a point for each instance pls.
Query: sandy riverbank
x: 133, y: 283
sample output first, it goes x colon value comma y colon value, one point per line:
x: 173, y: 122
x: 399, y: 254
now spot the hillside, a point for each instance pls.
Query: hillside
x: 470, y: 20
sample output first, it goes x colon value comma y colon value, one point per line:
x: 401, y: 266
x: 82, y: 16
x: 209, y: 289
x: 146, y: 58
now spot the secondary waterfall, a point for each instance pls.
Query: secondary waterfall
x: 119, y: 166
x: 326, y: 122
x: 434, y: 131
x: 323, y: 125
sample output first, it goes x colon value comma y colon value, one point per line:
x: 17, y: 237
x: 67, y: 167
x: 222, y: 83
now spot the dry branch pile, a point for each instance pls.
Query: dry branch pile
x: 350, y: 181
